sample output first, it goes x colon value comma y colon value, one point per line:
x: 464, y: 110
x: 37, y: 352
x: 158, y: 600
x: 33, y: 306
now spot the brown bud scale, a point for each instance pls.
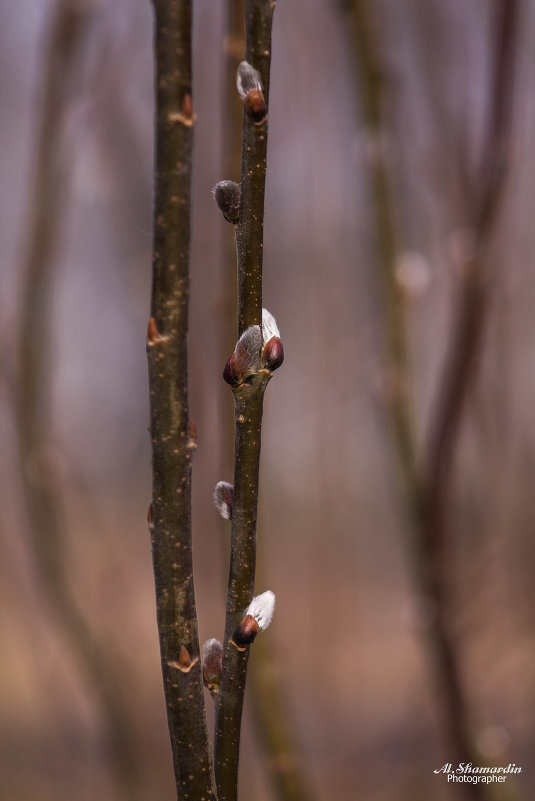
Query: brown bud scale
x: 245, y: 633
x: 231, y: 373
x: 184, y: 662
x: 255, y: 105
x: 273, y: 354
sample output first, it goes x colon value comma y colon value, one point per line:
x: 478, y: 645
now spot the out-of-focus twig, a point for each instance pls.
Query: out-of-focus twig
x: 427, y: 478
x: 69, y: 24
x: 273, y: 725
x: 462, y: 358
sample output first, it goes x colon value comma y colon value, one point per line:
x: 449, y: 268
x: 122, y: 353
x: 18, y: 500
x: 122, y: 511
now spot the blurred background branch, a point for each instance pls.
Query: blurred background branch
x: 427, y: 477
x: 61, y: 82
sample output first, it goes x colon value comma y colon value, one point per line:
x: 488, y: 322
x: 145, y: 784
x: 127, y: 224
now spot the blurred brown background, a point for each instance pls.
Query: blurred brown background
x: 334, y: 539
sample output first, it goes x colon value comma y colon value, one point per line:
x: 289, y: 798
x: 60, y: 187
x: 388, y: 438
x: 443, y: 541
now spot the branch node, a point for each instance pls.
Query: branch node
x: 153, y: 335
x: 192, y: 441
x: 184, y: 662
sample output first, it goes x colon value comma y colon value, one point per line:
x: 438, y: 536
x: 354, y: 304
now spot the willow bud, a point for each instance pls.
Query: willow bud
x: 245, y: 633
x: 212, y: 664
x: 223, y: 498
x: 227, y: 196
x: 272, y: 352
x: 245, y: 360
x: 250, y: 91
x: 184, y: 662
x: 258, y: 616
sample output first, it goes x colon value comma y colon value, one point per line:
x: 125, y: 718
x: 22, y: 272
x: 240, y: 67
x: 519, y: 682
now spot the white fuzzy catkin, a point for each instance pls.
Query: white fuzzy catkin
x: 223, y: 498
x: 269, y: 326
x: 261, y: 608
x: 210, y: 647
x: 247, y: 350
x: 247, y: 79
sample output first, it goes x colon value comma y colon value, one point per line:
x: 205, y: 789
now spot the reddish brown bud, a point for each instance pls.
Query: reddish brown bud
x: 255, y: 105
x: 187, y: 105
x: 231, y: 373
x: 192, y: 441
x: 149, y: 514
x: 245, y: 633
x: 273, y: 354
x: 184, y: 659
x: 152, y: 331
x: 184, y: 662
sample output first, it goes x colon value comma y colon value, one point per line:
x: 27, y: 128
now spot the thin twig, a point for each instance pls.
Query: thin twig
x: 250, y: 228
x: 462, y: 359
x: 272, y: 725
x: 248, y: 406
x: 173, y: 438
x: 41, y: 490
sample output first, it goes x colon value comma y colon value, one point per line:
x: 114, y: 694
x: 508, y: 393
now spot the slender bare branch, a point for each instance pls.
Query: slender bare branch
x: 250, y: 229
x: 248, y: 402
x: 488, y: 194
x: 173, y: 437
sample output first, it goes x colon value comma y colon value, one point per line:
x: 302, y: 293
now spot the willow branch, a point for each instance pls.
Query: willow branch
x: 248, y: 407
x: 171, y: 434
x: 40, y: 485
x: 461, y: 360
x: 273, y: 728
x: 250, y: 228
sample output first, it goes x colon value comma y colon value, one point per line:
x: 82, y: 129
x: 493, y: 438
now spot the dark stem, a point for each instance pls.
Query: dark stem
x: 248, y: 406
x: 43, y: 497
x: 172, y: 439
x: 250, y: 229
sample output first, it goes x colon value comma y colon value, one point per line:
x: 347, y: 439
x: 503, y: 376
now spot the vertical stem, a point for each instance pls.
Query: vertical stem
x: 43, y: 499
x: 250, y: 228
x: 248, y: 406
x: 172, y: 438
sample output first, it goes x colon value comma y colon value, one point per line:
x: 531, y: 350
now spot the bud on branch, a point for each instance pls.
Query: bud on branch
x: 259, y: 347
x: 212, y: 664
x: 273, y: 352
x: 227, y: 196
x: 250, y: 91
x: 223, y: 498
x: 258, y: 616
x: 245, y: 360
